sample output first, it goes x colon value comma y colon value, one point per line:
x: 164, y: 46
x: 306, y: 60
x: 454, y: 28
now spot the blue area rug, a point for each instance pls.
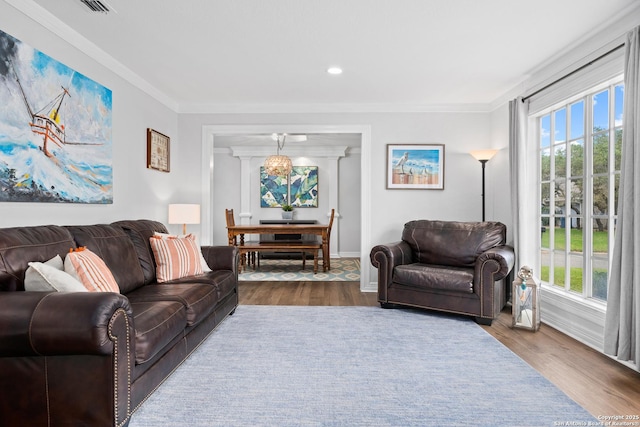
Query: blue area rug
x: 354, y: 366
x: 275, y: 270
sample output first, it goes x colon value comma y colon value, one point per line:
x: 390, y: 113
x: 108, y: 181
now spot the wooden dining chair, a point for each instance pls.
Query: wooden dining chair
x: 326, y: 256
x: 247, y: 257
x: 326, y: 262
x: 230, y: 221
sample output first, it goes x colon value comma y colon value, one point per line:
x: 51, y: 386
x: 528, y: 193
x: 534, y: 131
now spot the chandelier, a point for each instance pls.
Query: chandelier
x: 278, y: 165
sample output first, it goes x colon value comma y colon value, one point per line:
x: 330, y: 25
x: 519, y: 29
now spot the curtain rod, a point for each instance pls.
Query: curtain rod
x: 573, y: 72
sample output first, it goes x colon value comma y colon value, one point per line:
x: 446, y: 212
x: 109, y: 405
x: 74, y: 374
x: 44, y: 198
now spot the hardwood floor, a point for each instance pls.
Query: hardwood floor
x: 305, y: 293
x: 602, y: 386
x: 599, y: 384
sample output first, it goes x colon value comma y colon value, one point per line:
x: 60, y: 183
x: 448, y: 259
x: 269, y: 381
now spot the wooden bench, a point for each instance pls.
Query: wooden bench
x: 249, y: 249
x: 237, y: 233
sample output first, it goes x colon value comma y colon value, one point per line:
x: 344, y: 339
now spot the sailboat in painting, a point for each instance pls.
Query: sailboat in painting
x: 48, y: 126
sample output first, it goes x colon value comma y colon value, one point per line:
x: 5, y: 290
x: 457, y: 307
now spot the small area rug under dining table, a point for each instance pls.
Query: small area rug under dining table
x: 354, y: 366
x: 290, y: 270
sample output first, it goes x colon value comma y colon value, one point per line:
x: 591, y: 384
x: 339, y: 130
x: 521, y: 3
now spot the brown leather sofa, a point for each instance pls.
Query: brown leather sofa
x: 458, y: 267
x: 91, y: 358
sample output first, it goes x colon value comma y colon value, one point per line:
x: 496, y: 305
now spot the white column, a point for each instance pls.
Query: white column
x: 245, y: 189
x: 333, y: 204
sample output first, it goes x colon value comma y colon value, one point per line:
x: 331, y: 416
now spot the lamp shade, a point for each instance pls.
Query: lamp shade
x: 278, y: 165
x: 184, y: 214
x: 485, y: 155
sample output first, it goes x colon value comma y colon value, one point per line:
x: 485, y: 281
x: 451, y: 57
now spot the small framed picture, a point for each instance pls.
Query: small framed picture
x: 415, y: 166
x: 157, y: 151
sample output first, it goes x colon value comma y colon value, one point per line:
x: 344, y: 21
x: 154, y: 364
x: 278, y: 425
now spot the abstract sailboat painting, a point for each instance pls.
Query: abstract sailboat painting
x: 55, y: 130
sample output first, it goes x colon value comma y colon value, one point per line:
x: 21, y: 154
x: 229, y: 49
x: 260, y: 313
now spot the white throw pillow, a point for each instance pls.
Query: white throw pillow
x: 48, y: 276
x: 205, y: 266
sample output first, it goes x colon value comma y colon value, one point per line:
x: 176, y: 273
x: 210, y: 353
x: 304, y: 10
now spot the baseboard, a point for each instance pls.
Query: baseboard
x: 348, y: 255
x: 575, y: 317
x: 371, y: 287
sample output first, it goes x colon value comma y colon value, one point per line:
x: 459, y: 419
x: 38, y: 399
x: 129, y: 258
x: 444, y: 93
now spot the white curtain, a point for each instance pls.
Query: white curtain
x: 622, y: 323
x: 518, y: 166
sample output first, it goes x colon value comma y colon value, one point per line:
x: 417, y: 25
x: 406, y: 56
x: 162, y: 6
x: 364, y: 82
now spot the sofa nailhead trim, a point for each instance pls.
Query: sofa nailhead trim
x: 114, y: 338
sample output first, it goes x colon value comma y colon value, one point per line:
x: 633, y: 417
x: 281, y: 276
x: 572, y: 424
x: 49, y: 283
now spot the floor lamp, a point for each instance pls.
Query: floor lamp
x: 483, y: 156
x: 184, y: 214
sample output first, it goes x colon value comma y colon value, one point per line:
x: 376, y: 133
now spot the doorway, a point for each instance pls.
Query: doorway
x: 211, y: 132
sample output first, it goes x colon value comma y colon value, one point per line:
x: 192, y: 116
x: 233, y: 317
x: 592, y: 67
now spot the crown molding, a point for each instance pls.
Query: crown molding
x: 197, y: 108
x: 43, y: 17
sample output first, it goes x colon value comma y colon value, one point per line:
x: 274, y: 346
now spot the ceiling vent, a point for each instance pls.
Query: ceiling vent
x: 97, y: 5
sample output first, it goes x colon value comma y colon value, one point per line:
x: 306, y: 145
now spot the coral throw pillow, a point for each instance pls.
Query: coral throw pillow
x: 90, y: 270
x: 175, y: 257
x: 203, y: 262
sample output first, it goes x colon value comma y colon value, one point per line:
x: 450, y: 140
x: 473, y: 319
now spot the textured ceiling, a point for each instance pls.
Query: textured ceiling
x: 261, y: 54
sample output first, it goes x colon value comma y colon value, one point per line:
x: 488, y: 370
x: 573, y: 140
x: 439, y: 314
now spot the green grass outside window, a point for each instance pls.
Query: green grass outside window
x: 600, y: 240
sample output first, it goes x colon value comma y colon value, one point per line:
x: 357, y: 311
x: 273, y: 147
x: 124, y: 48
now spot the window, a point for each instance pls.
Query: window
x: 580, y: 145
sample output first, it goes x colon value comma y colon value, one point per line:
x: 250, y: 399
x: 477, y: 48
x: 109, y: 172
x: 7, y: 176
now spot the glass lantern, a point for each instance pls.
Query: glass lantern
x: 525, y: 300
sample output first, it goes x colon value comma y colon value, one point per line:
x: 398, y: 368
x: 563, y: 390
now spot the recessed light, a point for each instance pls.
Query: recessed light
x: 334, y: 70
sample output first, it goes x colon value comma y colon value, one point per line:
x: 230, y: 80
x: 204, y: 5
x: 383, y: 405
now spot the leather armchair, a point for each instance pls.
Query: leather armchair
x: 457, y: 267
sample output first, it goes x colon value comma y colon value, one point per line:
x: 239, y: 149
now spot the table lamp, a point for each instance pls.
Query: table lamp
x: 184, y: 214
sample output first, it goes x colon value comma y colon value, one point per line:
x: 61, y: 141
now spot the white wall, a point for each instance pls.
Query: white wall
x: 498, y: 178
x: 389, y: 209
x: 137, y: 192
x: 349, y: 173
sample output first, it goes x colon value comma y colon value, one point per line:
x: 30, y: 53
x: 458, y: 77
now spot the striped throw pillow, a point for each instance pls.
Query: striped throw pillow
x: 175, y: 257
x: 90, y: 270
x: 203, y: 262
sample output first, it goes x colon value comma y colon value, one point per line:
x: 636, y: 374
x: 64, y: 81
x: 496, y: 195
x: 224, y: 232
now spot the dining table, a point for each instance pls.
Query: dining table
x: 236, y: 234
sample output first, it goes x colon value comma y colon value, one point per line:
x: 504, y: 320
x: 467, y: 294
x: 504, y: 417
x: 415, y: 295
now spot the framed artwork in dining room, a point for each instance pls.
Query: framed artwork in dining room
x: 415, y: 166
x: 303, y: 187
x: 298, y: 189
x: 158, y: 151
x: 274, y: 190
